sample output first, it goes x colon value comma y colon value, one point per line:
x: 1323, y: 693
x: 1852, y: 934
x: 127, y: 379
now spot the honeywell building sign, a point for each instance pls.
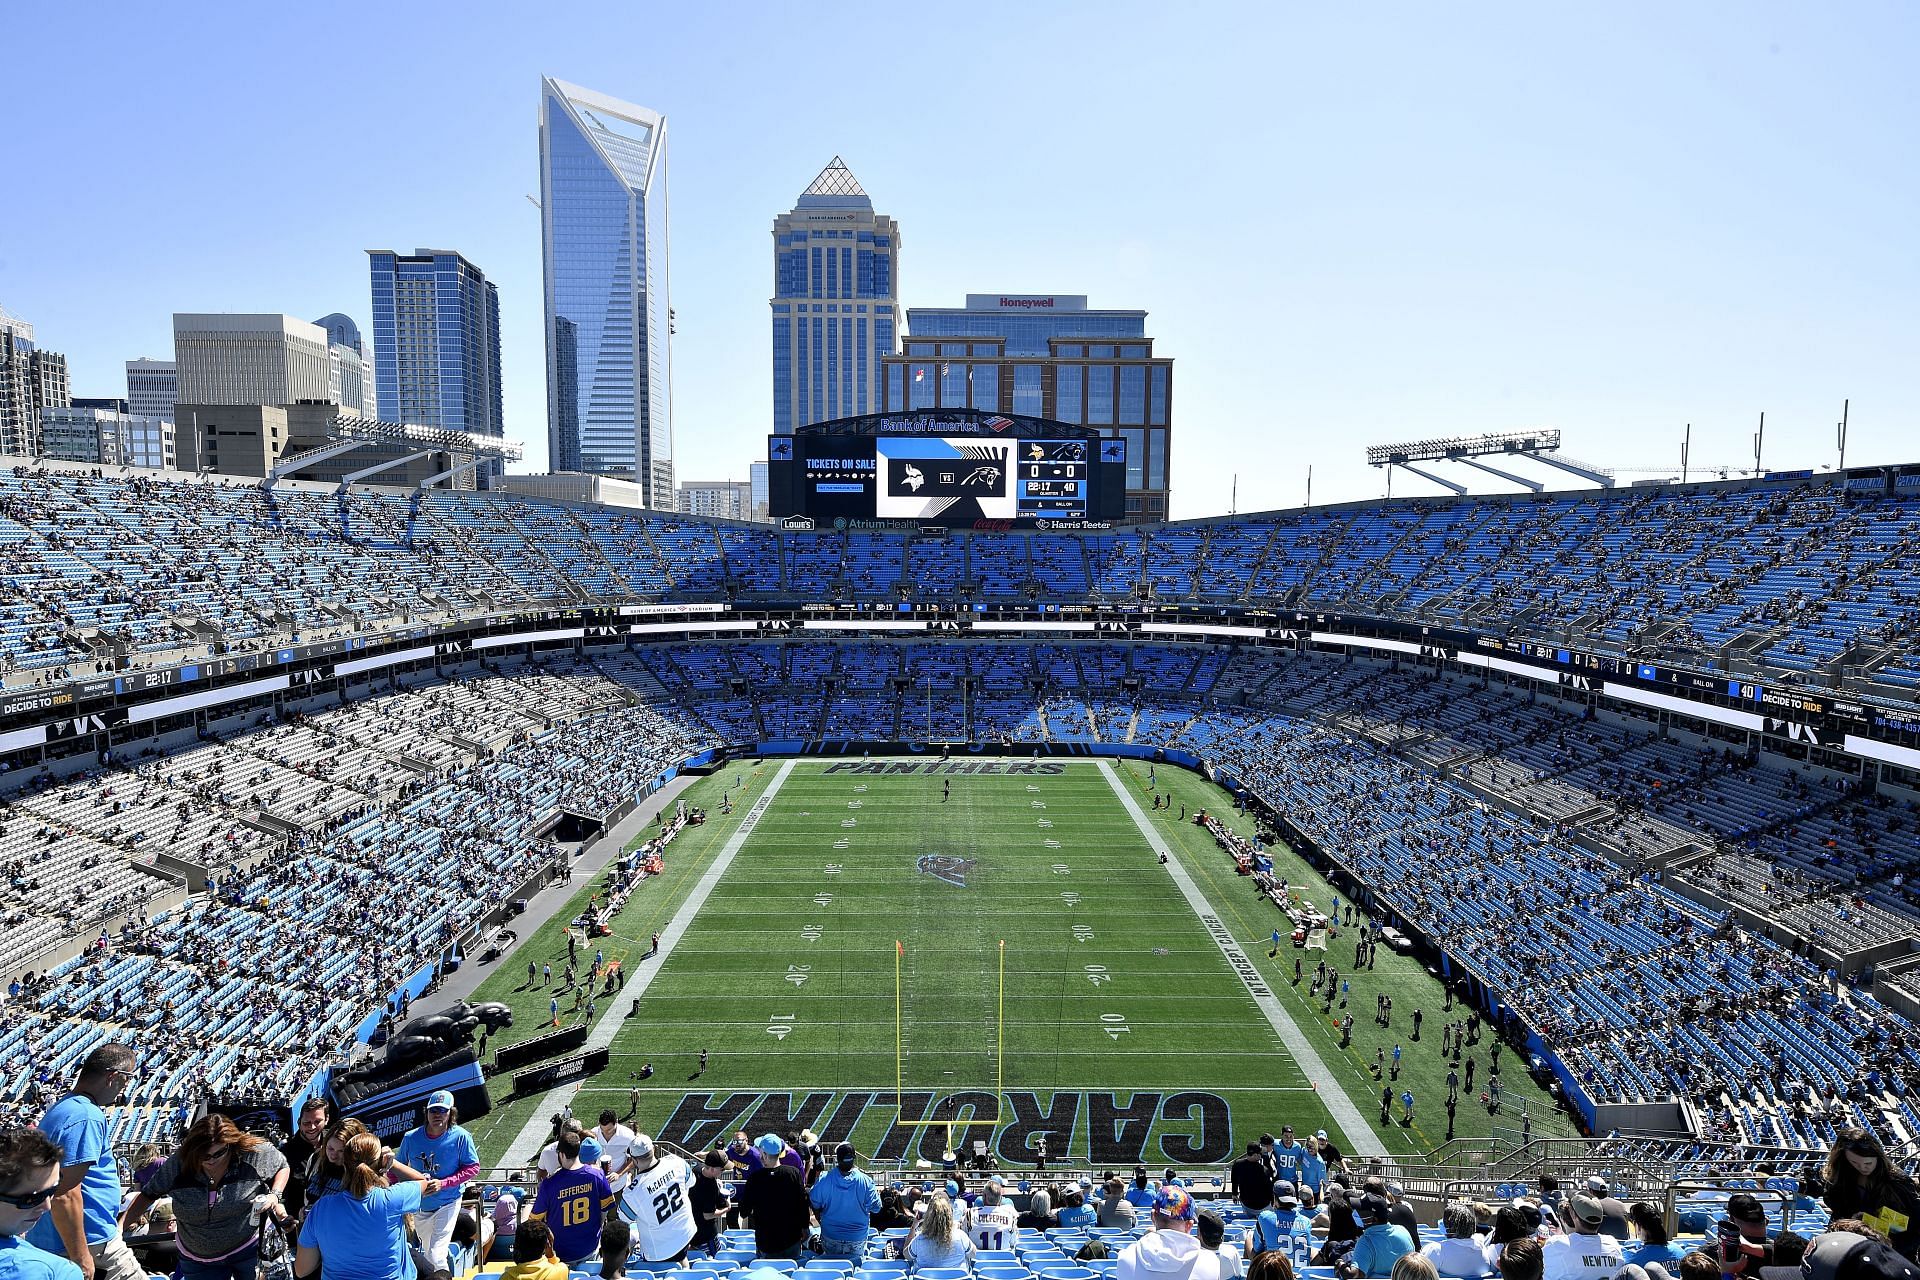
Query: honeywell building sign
x: 1026, y: 302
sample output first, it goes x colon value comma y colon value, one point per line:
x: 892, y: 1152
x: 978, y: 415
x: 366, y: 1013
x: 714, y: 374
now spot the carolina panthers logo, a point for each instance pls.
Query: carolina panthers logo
x: 946, y: 867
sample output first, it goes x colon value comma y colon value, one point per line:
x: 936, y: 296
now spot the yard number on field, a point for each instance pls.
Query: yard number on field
x: 1097, y: 974
x: 798, y: 974
x: 780, y: 1026
x: 1115, y: 1025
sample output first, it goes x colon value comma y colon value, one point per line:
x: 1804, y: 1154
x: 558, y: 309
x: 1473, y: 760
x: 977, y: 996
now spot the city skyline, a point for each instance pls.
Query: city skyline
x: 1349, y: 230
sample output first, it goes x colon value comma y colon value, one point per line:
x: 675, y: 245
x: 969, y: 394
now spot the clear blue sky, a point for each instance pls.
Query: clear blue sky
x: 1350, y: 224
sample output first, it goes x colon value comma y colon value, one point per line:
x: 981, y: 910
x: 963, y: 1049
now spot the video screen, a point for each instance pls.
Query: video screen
x: 944, y: 478
x: 957, y: 481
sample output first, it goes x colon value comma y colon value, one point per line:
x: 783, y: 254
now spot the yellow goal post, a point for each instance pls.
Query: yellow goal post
x: 899, y: 1048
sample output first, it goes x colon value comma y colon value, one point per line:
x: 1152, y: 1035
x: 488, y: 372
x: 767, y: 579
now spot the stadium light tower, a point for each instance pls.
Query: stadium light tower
x: 1538, y: 444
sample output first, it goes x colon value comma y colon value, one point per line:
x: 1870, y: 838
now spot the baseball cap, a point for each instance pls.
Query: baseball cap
x: 845, y: 1154
x: 1173, y: 1202
x: 440, y: 1100
x: 1395, y: 1189
x: 1745, y: 1208
x: 953, y: 1188
x: 715, y: 1160
x: 771, y: 1143
x: 642, y: 1148
x: 1841, y: 1255
x: 1597, y: 1185
x: 1587, y: 1209
x: 1286, y: 1194
x: 1321, y: 1134
x: 996, y: 1181
x: 1372, y: 1206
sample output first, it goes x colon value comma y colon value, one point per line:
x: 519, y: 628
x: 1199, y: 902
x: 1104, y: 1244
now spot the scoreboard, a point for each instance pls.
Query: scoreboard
x: 1051, y: 475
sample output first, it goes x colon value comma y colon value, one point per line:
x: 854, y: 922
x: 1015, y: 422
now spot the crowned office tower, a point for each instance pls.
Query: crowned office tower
x: 603, y: 232
x: 436, y: 341
x: 836, y: 309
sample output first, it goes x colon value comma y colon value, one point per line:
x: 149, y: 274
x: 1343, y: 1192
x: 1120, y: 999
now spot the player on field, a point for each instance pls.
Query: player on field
x: 659, y: 1202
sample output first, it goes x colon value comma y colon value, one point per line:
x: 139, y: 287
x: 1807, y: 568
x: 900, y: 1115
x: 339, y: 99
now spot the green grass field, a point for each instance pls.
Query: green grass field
x: 1120, y: 1031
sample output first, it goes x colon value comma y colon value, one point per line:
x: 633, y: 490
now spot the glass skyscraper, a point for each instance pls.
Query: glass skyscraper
x: 603, y: 228
x: 436, y: 341
x: 836, y: 309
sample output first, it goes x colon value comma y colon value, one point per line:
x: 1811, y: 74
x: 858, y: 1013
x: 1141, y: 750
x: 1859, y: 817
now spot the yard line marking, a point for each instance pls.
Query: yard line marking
x: 526, y: 1146
x: 842, y: 1055
x: 1360, y: 1134
x: 888, y: 1089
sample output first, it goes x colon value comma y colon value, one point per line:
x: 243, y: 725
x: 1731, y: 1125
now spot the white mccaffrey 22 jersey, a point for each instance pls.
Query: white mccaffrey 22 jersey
x: 659, y: 1203
x: 994, y: 1226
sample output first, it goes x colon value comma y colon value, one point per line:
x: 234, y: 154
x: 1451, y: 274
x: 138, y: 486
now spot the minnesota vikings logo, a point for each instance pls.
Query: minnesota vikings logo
x: 946, y: 867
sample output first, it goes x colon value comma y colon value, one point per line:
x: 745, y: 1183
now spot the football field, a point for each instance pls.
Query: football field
x: 918, y: 952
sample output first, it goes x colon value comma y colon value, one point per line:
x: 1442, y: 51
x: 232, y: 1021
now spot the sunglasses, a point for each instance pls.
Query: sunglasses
x: 32, y: 1200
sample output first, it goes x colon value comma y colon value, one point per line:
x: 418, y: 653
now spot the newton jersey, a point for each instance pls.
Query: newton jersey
x: 660, y: 1204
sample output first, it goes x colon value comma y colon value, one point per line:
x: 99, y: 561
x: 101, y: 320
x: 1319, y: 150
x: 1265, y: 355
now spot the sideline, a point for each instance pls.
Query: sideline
x: 525, y: 1147
x: 1360, y: 1136
x: 552, y: 899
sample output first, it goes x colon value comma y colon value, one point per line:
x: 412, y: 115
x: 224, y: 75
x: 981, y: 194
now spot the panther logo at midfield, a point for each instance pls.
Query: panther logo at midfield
x: 944, y: 866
